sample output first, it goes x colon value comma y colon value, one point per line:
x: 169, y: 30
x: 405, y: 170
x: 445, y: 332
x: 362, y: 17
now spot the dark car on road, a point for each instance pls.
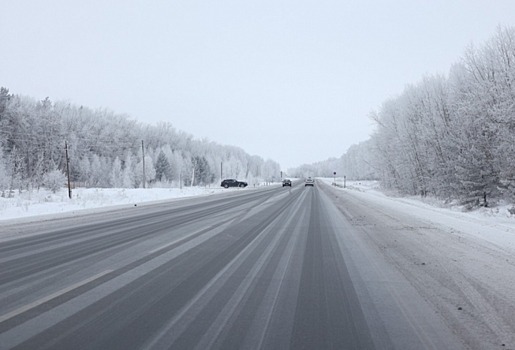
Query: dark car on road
x: 286, y: 182
x: 233, y: 183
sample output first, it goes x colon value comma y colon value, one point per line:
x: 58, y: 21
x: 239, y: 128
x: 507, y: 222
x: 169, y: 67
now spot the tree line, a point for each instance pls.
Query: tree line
x: 452, y: 137
x: 106, y: 149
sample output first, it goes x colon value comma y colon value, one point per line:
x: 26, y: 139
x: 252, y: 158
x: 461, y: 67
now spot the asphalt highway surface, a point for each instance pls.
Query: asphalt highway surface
x: 274, y: 268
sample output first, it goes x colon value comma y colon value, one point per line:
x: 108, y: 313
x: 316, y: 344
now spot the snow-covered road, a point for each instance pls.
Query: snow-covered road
x: 462, y: 264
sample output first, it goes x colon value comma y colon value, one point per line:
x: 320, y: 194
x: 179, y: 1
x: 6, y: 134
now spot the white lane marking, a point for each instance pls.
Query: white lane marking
x: 51, y: 296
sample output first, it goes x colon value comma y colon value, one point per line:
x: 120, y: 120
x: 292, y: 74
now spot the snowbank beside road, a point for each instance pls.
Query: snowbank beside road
x: 496, y: 225
x: 44, y: 202
x: 373, y: 188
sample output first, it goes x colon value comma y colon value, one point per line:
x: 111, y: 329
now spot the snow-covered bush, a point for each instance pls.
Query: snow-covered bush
x: 54, y: 180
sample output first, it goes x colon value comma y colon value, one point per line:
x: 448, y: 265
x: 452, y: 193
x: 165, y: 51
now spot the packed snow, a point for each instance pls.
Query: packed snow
x: 496, y: 224
x: 460, y: 262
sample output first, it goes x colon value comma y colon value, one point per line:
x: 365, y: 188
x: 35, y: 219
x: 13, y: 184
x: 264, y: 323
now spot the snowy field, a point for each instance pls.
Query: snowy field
x: 44, y: 202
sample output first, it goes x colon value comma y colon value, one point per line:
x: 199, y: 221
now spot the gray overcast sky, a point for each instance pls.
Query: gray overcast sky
x: 294, y: 81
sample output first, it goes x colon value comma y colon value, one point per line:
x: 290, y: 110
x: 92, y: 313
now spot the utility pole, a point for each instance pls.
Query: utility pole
x: 143, y: 155
x: 68, y: 169
x: 221, y: 170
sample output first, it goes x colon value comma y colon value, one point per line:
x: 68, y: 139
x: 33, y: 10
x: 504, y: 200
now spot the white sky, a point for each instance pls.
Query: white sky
x: 293, y: 81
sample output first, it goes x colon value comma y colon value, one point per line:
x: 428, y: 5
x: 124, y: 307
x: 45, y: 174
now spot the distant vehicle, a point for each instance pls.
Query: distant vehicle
x: 286, y: 182
x: 233, y: 183
x: 309, y: 182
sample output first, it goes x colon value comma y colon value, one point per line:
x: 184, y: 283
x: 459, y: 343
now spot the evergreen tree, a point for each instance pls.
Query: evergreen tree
x: 163, y: 169
x: 203, y: 175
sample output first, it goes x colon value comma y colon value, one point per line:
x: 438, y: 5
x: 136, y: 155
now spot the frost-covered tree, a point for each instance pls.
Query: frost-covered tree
x: 452, y: 137
x: 4, y: 178
x: 358, y: 162
x: 33, y: 133
x: 127, y: 172
x: 54, y: 180
x: 150, y: 171
x: 201, y: 170
x: 271, y: 171
x: 116, y: 174
x: 163, y: 169
x: 84, y: 169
